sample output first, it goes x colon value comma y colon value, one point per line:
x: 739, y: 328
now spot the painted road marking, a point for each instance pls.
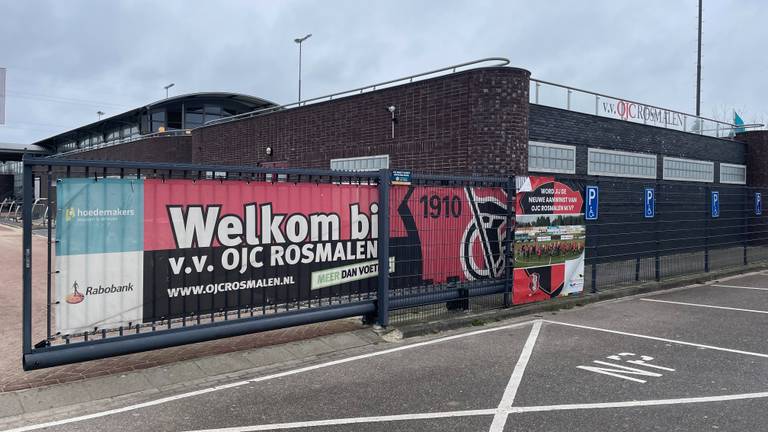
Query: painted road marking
x: 679, y: 342
x: 741, y: 287
x: 500, y: 418
x: 622, y: 371
x: 263, y: 378
x: 475, y: 413
x: 705, y: 306
x: 354, y: 420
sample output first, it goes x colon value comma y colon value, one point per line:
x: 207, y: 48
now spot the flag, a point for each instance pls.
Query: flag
x: 738, y: 122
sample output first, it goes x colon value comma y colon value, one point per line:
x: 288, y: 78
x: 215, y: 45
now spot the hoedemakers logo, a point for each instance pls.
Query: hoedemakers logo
x: 71, y: 213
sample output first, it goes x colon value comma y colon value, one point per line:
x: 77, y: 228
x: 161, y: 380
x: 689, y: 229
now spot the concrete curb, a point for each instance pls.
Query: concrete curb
x: 35, y: 405
x: 481, y: 318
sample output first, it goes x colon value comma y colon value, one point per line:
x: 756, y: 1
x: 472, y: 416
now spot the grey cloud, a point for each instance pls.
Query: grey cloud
x: 121, y: 53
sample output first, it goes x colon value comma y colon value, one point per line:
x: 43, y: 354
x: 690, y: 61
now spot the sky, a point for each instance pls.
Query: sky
x: 66, y: 60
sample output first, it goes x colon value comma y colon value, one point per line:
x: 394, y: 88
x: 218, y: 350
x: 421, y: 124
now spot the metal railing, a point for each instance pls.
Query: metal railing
x: 170, y: 133
x: 498, y: 61
x: 588, y: 102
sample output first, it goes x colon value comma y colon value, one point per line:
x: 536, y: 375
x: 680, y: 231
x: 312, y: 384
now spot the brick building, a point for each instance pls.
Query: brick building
x: 484, y: 120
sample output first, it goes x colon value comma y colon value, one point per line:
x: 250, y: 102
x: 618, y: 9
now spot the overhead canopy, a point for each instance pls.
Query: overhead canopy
x: 14, y: 152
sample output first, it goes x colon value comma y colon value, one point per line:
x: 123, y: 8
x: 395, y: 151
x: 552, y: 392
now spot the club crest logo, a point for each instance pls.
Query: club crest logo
x: 482, y: 244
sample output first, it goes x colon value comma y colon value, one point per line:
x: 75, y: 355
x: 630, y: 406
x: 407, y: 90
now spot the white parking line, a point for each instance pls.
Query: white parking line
x: 704, y: 306
x: 354, y: 420
x: 674, y: 341
x: 475, y: 413
x: 500, y: 418
x: 639, y: 403
x: 263, y: 378
x: 740, y: 287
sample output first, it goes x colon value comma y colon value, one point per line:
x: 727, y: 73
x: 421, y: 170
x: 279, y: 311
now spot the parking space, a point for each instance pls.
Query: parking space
x: 630, y: 364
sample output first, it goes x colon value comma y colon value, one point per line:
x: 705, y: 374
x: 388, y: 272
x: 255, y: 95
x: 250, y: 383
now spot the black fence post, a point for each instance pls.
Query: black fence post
x: 656, y: 254
x: 382, y: 298
x: 509, y: 259
x: 28, y: 194
x: 745, y: 228
x: 707, y: 199
x: 596, y: 233
x: 49, y: 218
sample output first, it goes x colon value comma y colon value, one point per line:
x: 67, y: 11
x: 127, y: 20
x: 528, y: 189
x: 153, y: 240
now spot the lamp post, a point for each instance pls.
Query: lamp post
x: 299, y: 41
x: 166, y: 89
x: 99, y: 113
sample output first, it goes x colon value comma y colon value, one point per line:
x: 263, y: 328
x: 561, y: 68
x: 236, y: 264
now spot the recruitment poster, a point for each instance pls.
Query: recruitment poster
x: 549, y: 239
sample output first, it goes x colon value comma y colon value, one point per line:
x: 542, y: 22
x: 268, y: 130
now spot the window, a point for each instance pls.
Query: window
x: 621, y: 164
x: 732, y: 173
x: 365, y: 163
x: 193, y: 116
x: 688, y: 170
x: 158, y: 120
x: 113, y: 135
x: 212, y: 112
x: 130, y: 131
x: 553, y: 158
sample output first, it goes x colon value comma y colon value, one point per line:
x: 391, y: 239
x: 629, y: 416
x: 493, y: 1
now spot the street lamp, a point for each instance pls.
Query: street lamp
x: 166, y: 89
x: 100, y: 113
x: 299, y: 41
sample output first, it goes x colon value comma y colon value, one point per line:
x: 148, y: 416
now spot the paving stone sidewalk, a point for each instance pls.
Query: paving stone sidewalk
x: 14, y: 378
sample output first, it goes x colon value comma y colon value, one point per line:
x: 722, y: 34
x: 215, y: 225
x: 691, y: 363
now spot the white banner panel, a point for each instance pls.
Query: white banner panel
x: 2, y: 96
x: 99, y: 291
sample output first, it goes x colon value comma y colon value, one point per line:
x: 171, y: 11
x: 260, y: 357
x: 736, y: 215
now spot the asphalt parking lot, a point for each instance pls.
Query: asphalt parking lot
x: 689, y: 359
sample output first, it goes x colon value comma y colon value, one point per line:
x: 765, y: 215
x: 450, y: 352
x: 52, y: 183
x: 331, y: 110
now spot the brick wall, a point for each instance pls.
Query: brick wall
x: 472, y: 122
x: 156, y: 149
x: 757, y: 156
x: 585, y: 130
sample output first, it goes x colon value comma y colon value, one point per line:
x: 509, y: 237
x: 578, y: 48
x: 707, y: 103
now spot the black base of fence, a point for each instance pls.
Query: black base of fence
x: 102, y: 348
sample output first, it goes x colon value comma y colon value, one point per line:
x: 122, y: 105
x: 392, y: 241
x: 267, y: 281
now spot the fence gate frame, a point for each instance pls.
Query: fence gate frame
x: 44, y: 354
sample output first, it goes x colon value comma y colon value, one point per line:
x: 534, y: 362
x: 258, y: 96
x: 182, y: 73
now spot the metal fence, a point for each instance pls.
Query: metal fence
x: 444, y: 241
x: 588, y: 102
x: 682, y: 236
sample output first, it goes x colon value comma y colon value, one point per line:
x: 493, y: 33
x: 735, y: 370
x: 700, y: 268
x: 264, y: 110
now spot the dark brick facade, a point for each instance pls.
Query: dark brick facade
x: 757, y: 156
x: 585, y: 130
x: 156, y: 149
x: 472, y: 122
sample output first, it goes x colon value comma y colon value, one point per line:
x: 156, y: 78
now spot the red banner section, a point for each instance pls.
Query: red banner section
x: 212, y: 245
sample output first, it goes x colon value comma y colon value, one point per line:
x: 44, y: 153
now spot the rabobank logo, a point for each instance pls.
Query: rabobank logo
x: 77, y: 296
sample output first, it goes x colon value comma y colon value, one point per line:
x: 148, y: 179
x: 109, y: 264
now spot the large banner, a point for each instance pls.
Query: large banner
x: 549, y: 239
x: 144, y: 250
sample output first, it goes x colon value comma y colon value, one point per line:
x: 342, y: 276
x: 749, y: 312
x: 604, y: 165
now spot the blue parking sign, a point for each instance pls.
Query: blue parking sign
x: 758, y: 203
x: 715, y: 204
x: 592, y: 203
x: 650, y: 203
